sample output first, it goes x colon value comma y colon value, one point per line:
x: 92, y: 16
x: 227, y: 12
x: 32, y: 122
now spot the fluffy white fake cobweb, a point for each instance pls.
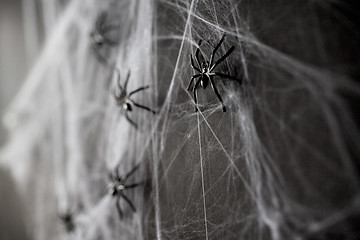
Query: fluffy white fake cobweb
x: 279, y: 164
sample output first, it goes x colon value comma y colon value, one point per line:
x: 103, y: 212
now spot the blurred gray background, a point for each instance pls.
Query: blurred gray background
x: 24, y: 25
x: 14, y: 65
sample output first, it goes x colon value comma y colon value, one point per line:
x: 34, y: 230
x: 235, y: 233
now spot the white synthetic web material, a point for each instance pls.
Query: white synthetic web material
x: 277, y: 165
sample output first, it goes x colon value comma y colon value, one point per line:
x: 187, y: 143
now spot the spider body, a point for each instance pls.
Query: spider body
x: 206, y: 74
x: 127, y: 105
x: 118, y: 187
x: 67, y: 220
x: 124, y: 101
x: 98, y: 39
x: 100, y: 36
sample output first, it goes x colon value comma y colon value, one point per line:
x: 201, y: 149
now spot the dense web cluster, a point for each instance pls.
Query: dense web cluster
x: 280, y: 163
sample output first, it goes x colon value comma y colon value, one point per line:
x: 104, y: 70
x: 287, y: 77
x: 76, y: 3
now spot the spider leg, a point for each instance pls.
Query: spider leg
x: 118, y: 83
x: 130, y: 121
x: 193, y: 65
x: 129, y: 202
x: 99, y: 57
x: 192, y: 79
x: 138, y: 90
x: 109, y: 28
x: 110, y: 176
x: 118, y: 207
x: 131, y: 172
x: 217, y: 94
x: 222, y: 58
x: 109, y: 41
x: 126, y: 81
x: 134, y: 185
x: 113, y: 92
x: 117, y: 175
x: 228, y: 76
x: 215, y: 49
x: 197, y: 53
x: 143, y: 107
x: 195, y: 93
x: 101, y: 20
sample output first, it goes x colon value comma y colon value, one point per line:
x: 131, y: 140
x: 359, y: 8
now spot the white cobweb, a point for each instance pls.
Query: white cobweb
x: 279, y: 164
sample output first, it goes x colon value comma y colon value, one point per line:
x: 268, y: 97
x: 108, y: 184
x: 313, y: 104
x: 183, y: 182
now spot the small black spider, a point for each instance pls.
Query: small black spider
x: 67, y: 220
x: 100, y: 36
x: 206, y: 73
x: 123, y: 99
x: 118, y: 186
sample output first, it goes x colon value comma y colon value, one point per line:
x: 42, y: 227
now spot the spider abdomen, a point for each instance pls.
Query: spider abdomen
x: 114, y: 191
x: 204, y: 81
x: 127, y: 106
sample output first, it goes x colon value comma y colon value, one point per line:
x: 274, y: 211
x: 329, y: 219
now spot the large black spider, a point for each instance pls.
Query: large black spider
x: 67, y: 220
x: 123, y: 99
x: 206, y: 73
x: 100, y: 36
x: 118, y: 186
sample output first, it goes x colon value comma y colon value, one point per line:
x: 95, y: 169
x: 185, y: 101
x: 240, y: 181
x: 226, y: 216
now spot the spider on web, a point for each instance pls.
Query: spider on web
x: 123, y: 99
x: 206, y: 72
x: 67, y: 219
x: 100, y: 36
x: 118, y: 186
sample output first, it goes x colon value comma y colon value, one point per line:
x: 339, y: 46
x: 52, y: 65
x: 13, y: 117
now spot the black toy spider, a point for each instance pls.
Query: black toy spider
x: 123, y: 99
x: 118, y: 186
x: 67, y: 220
x: 206, y: 73
x: 100, y: 36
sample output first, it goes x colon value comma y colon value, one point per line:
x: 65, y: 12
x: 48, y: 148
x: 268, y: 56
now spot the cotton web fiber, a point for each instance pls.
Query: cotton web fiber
x: 281, y: 163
